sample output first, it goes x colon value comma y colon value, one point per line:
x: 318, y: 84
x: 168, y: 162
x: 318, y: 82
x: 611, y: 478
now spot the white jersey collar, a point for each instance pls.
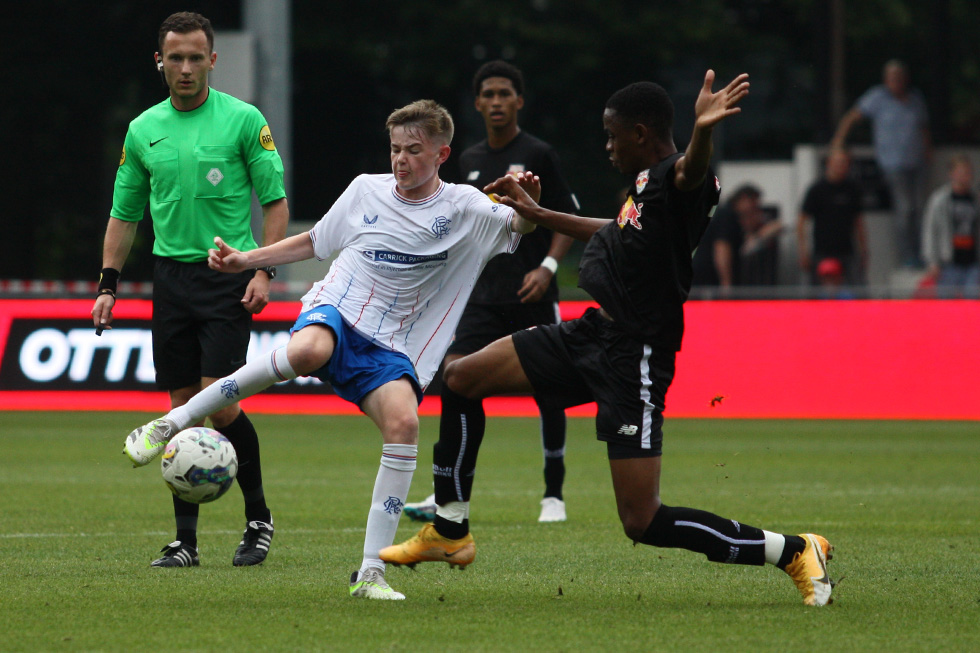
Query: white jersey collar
x: 404, y: 200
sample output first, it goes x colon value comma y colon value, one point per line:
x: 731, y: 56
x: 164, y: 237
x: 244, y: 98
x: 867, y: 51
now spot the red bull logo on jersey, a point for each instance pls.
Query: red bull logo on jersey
x: 630, y: 214
x: 642, y: 180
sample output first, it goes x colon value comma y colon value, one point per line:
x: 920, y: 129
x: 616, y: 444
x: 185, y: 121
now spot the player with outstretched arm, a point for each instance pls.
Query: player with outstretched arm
x: 376, y: 327
x: 621, y: 355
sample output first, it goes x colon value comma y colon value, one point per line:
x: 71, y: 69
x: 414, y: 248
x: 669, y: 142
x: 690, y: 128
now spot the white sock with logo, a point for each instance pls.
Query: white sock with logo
x: 390, y: 492
x: 255, y: 376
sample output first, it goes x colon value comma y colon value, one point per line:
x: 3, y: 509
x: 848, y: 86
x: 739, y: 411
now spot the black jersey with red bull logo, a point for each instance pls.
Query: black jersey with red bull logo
x: 638, y: 267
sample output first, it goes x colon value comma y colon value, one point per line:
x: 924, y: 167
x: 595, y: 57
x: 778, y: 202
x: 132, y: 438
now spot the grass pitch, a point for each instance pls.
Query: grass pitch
x: 898, y: 499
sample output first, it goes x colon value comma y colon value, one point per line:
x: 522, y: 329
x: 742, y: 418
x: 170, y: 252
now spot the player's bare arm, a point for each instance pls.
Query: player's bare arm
x: 511, y: 194
x: 225, y: 258
x: 275, y: 218
x: 119, y: 235
x: 709, y: 109
x: 537, y: 281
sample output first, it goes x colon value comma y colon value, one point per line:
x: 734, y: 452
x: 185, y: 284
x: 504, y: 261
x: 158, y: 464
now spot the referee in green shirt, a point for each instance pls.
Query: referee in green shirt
x: 196, y: 157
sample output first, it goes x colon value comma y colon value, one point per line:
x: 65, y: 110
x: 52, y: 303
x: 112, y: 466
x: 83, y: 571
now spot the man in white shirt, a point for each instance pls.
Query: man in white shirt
x: 378, y: 324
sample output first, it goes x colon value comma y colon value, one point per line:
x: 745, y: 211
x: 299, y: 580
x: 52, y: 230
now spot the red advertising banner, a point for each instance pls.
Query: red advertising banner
x: 769, y: 359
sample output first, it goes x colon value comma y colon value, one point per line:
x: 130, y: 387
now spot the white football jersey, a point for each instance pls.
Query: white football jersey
x: 406, y: 268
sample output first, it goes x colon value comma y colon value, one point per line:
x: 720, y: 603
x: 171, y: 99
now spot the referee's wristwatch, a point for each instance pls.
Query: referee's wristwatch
x: 271, y: 271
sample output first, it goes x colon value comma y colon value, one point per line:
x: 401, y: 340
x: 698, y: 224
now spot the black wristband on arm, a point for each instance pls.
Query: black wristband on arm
x: 108, y: 281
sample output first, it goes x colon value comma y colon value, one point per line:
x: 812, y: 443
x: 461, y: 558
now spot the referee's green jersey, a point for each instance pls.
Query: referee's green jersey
x: 197, y: 169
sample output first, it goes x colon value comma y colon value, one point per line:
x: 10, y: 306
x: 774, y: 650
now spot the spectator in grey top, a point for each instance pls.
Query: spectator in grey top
x: 903, y: 147
x: 951, y: 233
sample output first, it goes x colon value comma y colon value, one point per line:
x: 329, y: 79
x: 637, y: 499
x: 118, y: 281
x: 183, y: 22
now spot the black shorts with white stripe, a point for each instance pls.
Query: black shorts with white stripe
x: 593, y: 359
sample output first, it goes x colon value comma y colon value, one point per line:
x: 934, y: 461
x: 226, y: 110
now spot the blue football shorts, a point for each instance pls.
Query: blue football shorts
x: 358, y: 365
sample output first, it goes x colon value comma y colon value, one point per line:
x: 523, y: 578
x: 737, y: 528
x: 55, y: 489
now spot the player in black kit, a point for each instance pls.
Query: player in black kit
x: 516, y: 291
x: 621, y: 355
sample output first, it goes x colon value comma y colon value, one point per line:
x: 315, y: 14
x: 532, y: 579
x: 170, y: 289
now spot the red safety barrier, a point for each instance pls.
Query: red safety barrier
x: 765, y: 359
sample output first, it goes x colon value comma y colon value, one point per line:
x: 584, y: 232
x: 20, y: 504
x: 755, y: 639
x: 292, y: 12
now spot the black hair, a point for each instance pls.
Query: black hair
x: 185, y: 22
x: 499, y: 68
x: 645, y: 103
x: 749, y: 191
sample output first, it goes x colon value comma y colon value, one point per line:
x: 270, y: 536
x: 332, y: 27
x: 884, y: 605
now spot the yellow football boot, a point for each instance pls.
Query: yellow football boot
x: 429, y: 546
x: 809, y: 570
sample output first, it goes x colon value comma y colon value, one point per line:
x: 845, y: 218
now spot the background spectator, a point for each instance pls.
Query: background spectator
x: 740, y: 246
x: 950, y: 232
x: 903, y: 147
x: 833, y: 204
x: 830, y: 277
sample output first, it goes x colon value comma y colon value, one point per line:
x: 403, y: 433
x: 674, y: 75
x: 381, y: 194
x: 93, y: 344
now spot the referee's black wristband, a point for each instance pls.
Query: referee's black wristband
x: 108, y: 281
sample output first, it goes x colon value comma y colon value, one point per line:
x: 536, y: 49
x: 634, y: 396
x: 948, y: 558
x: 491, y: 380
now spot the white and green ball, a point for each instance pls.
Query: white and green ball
x: 199, y: 465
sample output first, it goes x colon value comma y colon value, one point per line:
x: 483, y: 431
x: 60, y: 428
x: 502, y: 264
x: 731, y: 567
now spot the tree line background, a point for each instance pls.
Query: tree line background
x: 75, y: 74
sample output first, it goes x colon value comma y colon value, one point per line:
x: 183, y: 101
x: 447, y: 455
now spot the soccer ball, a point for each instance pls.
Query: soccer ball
x: 199, y: 465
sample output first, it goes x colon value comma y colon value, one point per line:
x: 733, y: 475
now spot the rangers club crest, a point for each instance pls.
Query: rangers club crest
x: 630, y: 214
x: 229, y: 388
x: 641, y: 181
x: 393, y: 505
x: 440, y: 226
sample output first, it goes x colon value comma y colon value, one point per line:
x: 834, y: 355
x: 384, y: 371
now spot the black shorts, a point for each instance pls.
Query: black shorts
x: 200, y: 328
x: 482, y: 324
x: 591, y: 359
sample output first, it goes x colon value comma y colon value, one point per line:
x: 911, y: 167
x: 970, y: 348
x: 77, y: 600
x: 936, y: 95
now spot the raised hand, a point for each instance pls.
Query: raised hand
x: 711, y: 108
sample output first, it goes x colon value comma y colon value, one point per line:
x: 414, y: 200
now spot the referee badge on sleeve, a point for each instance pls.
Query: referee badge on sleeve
x: 265, y: 139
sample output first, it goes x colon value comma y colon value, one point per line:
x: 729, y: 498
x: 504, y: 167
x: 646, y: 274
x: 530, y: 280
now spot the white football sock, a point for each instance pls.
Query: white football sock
x: 775, y: 543
x: 390, y: 492
x: 253, y: 377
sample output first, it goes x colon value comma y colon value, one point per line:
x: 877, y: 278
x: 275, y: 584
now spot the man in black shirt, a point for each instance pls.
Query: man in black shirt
x: 833, y: 203
x: 515, y: 291
x: 638, y: 268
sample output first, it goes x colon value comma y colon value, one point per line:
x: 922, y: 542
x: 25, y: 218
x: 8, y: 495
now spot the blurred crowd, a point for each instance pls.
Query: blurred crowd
x: 934, y: 231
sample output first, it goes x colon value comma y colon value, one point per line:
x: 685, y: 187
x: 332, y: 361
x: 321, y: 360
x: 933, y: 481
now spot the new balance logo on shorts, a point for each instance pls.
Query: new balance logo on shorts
x: 627, y: 429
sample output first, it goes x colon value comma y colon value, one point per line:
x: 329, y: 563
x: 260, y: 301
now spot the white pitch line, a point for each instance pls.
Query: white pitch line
x: 18, y: 536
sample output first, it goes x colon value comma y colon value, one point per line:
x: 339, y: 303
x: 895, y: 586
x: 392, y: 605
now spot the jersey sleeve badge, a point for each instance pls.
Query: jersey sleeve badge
x: 122, y: 157
x: 265, y: 139
x: 641, y: 180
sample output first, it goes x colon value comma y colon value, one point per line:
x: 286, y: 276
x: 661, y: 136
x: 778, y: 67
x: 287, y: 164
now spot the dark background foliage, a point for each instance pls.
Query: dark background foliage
x: 75, y: 74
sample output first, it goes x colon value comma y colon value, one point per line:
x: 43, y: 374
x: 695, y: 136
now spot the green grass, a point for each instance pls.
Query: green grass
x: 900, y: 500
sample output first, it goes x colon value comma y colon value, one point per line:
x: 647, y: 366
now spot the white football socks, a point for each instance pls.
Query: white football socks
x: 390, y: 492
x: 255, y: 376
